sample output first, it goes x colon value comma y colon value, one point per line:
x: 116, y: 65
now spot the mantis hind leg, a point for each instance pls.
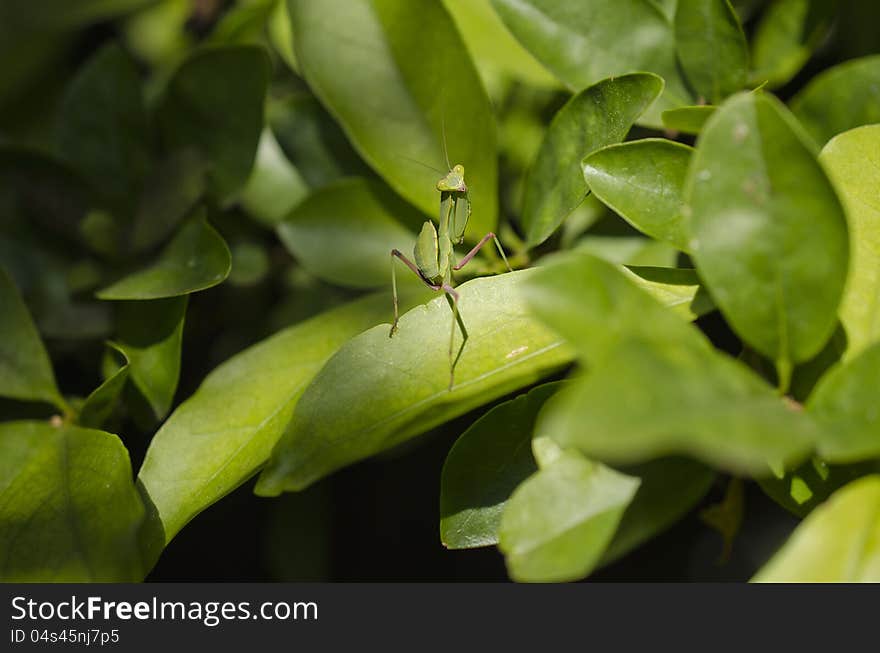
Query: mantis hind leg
x: 452, y: 298
x: 395, y: 253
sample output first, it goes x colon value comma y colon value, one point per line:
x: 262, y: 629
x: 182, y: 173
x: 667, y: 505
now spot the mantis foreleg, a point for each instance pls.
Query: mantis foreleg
x: 452, y: 298
x: 412, y: 266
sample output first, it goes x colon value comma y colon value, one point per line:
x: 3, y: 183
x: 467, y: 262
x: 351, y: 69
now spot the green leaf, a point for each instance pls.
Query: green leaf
x: 580, y: 42
x: 845, y: 405
x: 69, y: 511
x: 557, y: 524
x: 643, y: 182
x: 366, y: 62
x: 688, y: 120
x: 150, y: 335
x: 768, y: 233
x: 484, y: 467
x: 597, y: 116
x: 99, y: 405
x: 196, y: 258
x: 170, y: 194
x: 492, y: 46
x: 393, y: 389
x: 785, y: 38
x: 275, y: 186
x: 655, y: 386
x: 344, y: 232
x: 676, y: 288
x: 711, y: 47
x: 840, y: 98
x: 668, y: 489
x: 852, y: 164
x: 628, y: 250
x: 222, y: 434
x: 25, y: 369
x: 838, y: 543
x: 214, y: 103
x: 103, y: 130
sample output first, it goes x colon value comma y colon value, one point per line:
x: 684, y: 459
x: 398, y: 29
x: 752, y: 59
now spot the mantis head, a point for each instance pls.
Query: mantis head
x: 453, y: 182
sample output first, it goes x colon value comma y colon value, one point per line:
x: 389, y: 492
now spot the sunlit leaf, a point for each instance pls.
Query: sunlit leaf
x: 688, y: 120
x: 597, y: 116
x: 196, y: 258
x: 768, y: 233
x: 365, y: 61
x: 69, y: 511
x: 344, y: 232
x: 643, y: 182
x: 557, y: 524
x: 838, y: 543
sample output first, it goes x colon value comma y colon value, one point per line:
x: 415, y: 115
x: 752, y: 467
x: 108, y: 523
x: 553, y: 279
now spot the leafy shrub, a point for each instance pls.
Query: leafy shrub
x: 687, y: 190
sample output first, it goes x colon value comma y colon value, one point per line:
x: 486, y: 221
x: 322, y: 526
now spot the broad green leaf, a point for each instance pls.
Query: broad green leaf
x: 214, y: 103
x: 597, y: 116
x: 222, y: 434
x: 845, y: 404
x: 558, y: 523
x: 581, y: 42
x: 103, y: 130
x: 243, y: 23
x: 281, y: 35
x: 275, y: 186
x: 668, y: 489
x: 785, y: 38
x: 150, y: 335
x: 688, y: 120
x: 25, y: 369
x: 801, y: 489
x: 840, y: 98
x: 628, y: 250
x: 366, y: 61
x: 170, y: 194
x: 643, y: 182
x: 379, y: 391
x: 98, y: 406
x: 768, y: 233
x: 711, y: 47
x: 492, y: 46
x: 655, y: 386
x: 676, y: 288
x: 838, y: 543
x: 52, y: 15
x: 853, y: 165
x: 483, y: 468
x: 196, y: 258
x: 344, y: 232
x: 69, y: 511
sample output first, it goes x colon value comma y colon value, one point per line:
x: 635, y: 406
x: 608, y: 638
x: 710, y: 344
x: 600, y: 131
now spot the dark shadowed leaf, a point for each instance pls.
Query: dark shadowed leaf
x: 69, y: 511
x: 275, y: 186
x: 150, y: 334
x: 102, y: 129
x: 25, y: 369
x: 597, y: 116
x: 214, y: 103
x: 840, y: 98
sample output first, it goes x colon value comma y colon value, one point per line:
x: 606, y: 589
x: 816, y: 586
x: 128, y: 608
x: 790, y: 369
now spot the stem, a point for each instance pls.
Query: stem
x: 783, y: 373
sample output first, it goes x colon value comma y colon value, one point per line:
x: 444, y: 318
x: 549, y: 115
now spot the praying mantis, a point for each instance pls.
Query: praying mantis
x: 434, y: 254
